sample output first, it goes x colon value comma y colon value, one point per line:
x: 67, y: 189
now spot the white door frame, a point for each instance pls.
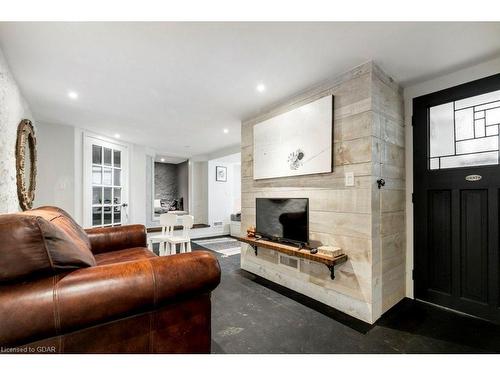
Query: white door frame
x: 90, y: 139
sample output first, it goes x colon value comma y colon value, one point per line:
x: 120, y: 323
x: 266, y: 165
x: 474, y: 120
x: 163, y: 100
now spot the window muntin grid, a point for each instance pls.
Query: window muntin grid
x: 465, y: 133
x: 106, y: 186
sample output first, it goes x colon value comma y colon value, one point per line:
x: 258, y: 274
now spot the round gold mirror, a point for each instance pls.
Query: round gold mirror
x: 26, y: 164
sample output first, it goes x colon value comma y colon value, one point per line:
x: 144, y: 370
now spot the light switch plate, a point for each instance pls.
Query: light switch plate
x: 349, y: 179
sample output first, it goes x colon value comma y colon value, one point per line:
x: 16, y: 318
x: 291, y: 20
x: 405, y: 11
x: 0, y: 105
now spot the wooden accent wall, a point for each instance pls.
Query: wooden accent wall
x: 367, y: 223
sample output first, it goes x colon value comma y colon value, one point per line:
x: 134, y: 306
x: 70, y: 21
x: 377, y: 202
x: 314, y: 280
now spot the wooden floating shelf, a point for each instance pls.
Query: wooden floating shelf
x: 291, y: 250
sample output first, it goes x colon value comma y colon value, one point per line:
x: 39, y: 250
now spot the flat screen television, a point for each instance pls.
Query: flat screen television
x: 283, y: 219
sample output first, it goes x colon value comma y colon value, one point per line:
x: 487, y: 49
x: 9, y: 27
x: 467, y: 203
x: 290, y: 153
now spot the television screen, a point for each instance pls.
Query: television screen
x: 283, y: 218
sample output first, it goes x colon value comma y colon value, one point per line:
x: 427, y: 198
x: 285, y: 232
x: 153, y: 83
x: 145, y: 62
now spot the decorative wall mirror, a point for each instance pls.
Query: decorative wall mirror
x: 26, y: 164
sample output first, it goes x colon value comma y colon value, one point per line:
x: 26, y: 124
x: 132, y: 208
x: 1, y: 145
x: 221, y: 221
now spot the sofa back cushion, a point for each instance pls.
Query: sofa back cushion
x: 32, y: 246
x: 65, y: 222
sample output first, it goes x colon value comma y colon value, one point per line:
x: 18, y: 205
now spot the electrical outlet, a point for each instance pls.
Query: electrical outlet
x: 349, y: 179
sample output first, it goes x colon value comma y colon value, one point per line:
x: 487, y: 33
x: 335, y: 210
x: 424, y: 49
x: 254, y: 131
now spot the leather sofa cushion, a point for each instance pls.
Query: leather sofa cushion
x: 126, y: 255
x: 65, y: 222
x: 33, y: 246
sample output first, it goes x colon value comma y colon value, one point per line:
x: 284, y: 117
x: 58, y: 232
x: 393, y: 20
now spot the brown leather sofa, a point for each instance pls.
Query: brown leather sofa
x: 66, y: 290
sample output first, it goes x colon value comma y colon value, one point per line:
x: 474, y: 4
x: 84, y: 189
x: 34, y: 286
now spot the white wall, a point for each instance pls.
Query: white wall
x: 224, y: 197
x: 137, y: 188
x: 220, y: 195
x: 13, y: 109
x: 236, y: 187
x: 198, y: 191
x: 56, y: 167
x: 449, y: 80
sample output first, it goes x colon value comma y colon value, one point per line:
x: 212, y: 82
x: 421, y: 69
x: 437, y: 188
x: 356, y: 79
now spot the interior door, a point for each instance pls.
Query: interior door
x: 105, y: 183
x: 456, y: 197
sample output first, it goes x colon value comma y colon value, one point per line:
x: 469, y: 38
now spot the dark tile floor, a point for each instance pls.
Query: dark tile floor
x: 248, y: 317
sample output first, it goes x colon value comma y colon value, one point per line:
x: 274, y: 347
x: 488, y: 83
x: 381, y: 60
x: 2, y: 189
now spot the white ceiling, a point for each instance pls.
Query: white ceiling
x: 176, y: 86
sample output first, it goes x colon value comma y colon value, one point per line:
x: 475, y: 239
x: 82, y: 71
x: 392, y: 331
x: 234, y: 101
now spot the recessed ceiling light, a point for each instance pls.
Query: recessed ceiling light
x: 226, y: 131
x: 162, y: 159
x: 117, y: 135
x: 73, y: 95
x: 261, y: 87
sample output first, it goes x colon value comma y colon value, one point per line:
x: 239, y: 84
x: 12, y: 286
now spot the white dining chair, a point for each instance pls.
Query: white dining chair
x: 184, y: 240
x: 167, y: 222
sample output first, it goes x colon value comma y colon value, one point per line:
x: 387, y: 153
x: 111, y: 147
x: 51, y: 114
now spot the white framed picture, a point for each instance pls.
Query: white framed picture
x: 295, y: 143
x: 220, y: 174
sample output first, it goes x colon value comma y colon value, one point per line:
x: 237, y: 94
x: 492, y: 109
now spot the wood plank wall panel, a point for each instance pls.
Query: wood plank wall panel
x: 364, y: 132
x: 388, y: 209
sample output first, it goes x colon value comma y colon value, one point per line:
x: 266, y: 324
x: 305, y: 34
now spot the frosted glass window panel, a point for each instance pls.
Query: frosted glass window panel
x: 477, y: 100
x: 492, y: 130
x: 442, y: 137
x: 472, y: 139
x: 477, y: 145
x: 493, y: 116
x: 486, y: 106
x: 434, y: 163
x: 464, y: 124
x: 106, y: 177
x: 479, y: 128
x: 107, y: 156
x: 470, y: 160
x: 96, y: 175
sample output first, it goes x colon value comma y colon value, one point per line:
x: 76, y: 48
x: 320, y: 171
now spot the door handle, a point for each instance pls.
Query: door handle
x: 124, y: 205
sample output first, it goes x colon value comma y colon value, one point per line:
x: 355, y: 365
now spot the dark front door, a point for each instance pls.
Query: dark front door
x: 456, y: 197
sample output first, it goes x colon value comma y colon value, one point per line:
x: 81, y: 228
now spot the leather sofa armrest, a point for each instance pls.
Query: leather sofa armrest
x: 103, y: 240
x: 91, y: 296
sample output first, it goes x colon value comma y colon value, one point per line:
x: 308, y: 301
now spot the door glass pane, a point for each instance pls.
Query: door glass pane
x: 441, y: 130
x: 493, y: 116
x: 96, y: 216
x: 117, y: 177
x: 106, y: 178
x: 96, y: 175
x: 96, y: 195
x: 479, y: 128
x: 117, y: 158
x: 96, y: 154
x: 464, y: 133
x: 118, y: 196
x: 492, y: 130
x: 106, y: 186
x: 468, y: 160
x: 117, y: 215
x: 107, y: 156
x: 464, y: 124
x: 107, y: 215
x: 107, y: 195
